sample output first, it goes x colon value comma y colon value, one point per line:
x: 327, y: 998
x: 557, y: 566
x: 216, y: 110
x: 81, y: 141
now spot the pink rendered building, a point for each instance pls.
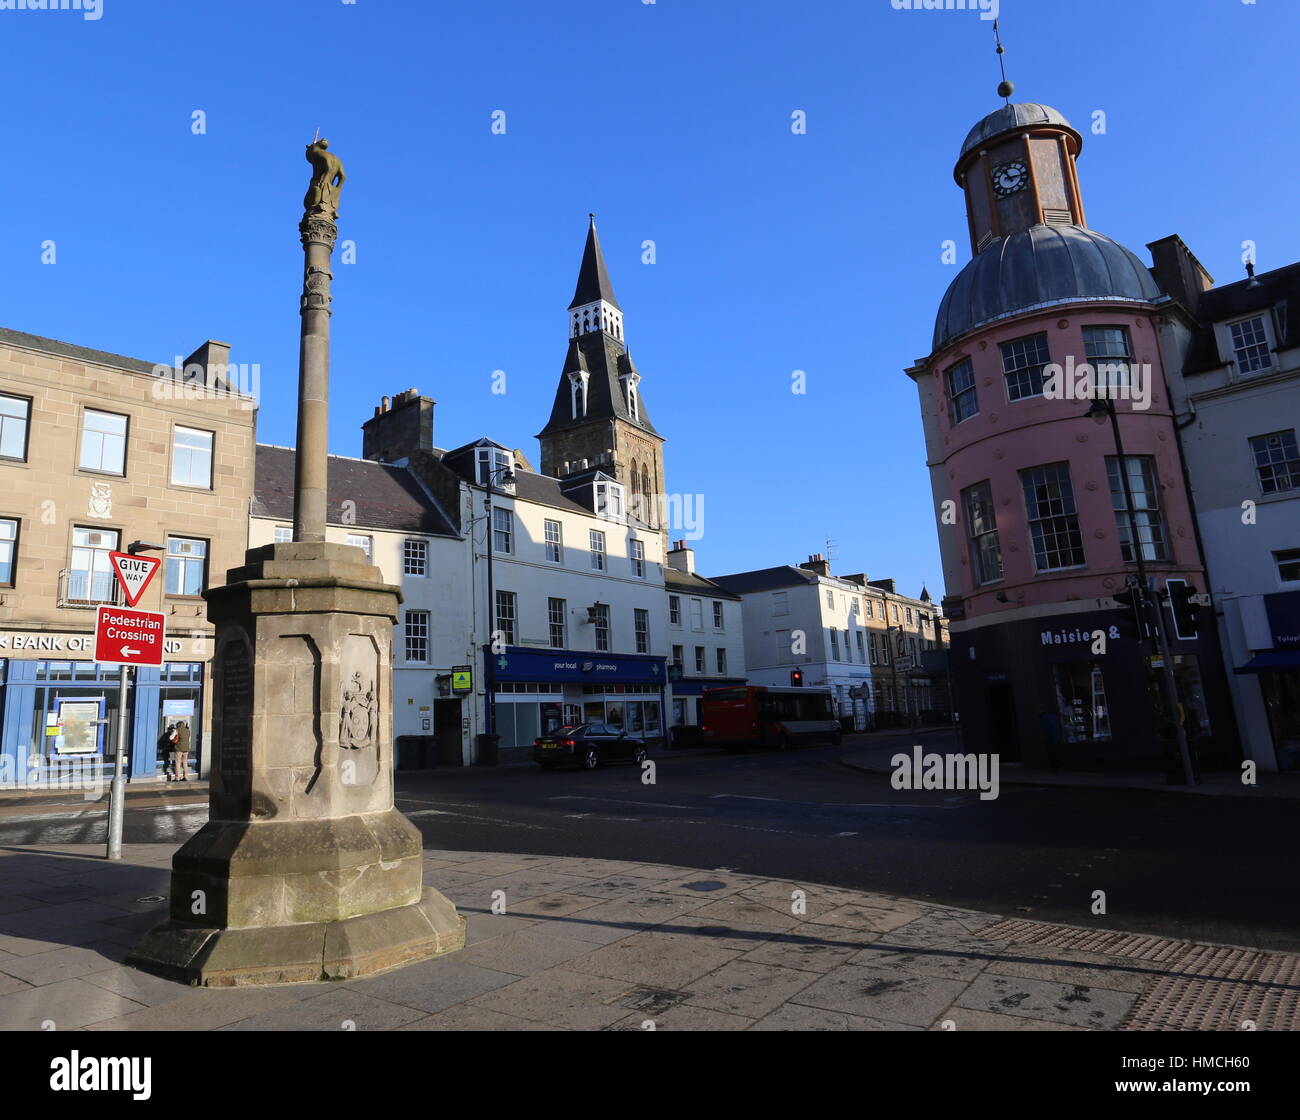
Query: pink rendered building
x: 1034, y: 532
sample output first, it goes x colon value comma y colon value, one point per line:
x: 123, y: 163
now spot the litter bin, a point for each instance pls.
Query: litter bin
x: 486, y: 752
x: 415, y: 752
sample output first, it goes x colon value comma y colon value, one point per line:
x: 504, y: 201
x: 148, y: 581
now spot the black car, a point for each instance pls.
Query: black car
x: 587, y: 745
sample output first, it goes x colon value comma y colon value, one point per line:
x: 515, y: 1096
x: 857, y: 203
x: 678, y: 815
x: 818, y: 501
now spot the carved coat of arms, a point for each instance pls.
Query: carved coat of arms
x: 101, y: 500
x: 359, y: 723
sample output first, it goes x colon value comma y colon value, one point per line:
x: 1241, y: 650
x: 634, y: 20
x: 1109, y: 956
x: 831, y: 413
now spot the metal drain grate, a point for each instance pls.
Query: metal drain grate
x: 653, y: 1001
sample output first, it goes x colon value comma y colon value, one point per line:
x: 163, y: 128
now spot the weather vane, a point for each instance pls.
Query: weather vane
x: 1005, y: 88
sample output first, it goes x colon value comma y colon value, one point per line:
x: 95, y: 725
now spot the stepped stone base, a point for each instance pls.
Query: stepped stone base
x: 305, y: 870
x: 295, y: 954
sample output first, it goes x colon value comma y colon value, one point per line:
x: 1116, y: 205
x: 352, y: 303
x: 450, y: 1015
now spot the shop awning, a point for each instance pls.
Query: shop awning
x: 1271, y: 660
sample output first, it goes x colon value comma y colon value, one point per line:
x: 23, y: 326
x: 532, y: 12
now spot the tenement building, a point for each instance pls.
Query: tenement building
x: 1029, y: 485
x: 706, y: 633
x: 554, y: 607
x: 97, y: 452
x: 1233, y: 353
x: 880, y: 653
x: 389, y: 513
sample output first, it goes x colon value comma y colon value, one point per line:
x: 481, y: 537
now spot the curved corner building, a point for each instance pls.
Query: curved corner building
x: 1032, y: 521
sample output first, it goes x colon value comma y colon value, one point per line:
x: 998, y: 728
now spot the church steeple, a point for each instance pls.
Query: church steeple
x: 594, y: 306
x: 598, y: 416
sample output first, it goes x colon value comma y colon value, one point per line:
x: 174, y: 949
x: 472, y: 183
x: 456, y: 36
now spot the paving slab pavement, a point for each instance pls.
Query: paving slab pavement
x: 584, y: 944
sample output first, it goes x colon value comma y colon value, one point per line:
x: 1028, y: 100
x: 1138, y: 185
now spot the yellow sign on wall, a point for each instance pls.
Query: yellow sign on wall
x: 462, y: 679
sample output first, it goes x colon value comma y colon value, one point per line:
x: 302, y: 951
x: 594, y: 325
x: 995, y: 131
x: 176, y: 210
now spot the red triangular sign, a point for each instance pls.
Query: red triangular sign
x: 133, y: 573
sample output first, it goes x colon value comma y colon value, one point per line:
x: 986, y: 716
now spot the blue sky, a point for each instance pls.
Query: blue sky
x: 672, y: 121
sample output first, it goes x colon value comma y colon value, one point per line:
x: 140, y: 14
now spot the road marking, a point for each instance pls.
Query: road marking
x: 846, y: 834
x: 834, y: 804
x: 483, y: 820
x: 622, y: 801
x: 88, y: 813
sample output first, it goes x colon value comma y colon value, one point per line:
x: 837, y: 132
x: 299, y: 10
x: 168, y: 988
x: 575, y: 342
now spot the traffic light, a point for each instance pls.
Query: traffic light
x: 1135, y: 623
x: 796, y: 678
x: 1180, y: 593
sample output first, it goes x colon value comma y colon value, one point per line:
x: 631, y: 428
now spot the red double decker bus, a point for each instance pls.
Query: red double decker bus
x: 767, y: 715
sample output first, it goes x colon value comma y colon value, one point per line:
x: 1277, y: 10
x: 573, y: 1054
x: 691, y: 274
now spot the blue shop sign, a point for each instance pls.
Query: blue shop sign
x: 1284, y: 619
x: 581, y: 667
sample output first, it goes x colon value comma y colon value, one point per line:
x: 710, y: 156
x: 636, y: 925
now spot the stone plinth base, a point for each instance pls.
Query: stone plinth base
x: 296, y: 954
x: 305, y: 870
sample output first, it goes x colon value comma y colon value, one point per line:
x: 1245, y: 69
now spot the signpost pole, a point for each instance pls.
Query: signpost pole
x: 117, y: 790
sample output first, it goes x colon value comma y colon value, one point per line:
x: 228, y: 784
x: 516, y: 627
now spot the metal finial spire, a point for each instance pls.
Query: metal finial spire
x: 1005, y: 87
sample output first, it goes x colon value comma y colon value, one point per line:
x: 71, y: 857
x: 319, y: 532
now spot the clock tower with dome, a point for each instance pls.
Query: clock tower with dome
x: 1034, y: 526
x: 1017, y: 169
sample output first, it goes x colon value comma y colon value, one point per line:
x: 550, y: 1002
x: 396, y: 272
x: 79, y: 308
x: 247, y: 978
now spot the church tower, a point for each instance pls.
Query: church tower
x: 599, y: 420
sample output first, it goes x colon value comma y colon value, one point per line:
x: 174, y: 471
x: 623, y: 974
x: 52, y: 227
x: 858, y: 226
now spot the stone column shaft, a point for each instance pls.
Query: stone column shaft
x: 310, y: 475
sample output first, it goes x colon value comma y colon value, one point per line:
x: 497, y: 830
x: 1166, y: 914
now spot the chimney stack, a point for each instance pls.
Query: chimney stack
x: 681, y: 557
x: 400, y: 427
x: 1178, y: 272
x: 817, y: 563
x: 212, y: 358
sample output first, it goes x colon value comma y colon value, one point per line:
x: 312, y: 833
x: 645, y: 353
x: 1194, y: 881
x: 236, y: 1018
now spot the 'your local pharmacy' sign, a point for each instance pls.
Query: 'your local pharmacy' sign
x: 75, y: 643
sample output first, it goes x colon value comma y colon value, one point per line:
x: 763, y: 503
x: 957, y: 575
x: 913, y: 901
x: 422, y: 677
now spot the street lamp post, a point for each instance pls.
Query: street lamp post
x: 893, y: 665
x: 489, y: 668
x: 1101, y: 410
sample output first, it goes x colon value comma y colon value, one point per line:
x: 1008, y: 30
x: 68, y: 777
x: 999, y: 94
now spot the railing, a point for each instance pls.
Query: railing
x: 86, y: 590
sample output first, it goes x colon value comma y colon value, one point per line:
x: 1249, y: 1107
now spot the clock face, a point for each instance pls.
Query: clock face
x: 1010, y: 177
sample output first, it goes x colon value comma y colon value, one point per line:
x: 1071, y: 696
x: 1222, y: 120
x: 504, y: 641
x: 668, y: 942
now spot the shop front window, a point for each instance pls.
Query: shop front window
x: 551, y: 718
x: 1282, y: 702
x: 1081, y: 702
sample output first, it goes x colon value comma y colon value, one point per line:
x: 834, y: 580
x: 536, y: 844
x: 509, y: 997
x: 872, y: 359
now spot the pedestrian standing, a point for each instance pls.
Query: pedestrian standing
x: 182, y: 751
x: 169, y: 752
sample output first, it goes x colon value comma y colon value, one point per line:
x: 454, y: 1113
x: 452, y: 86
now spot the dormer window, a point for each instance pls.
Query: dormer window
x: 578, y: 393
x: 609, y: 500
x: 1250, y: 349
x: 631, y: 380
x: 494, y: 463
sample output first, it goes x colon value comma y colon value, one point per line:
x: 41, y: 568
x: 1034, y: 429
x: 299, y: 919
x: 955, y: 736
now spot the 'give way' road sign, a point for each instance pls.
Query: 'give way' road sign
x: 133, y: 573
